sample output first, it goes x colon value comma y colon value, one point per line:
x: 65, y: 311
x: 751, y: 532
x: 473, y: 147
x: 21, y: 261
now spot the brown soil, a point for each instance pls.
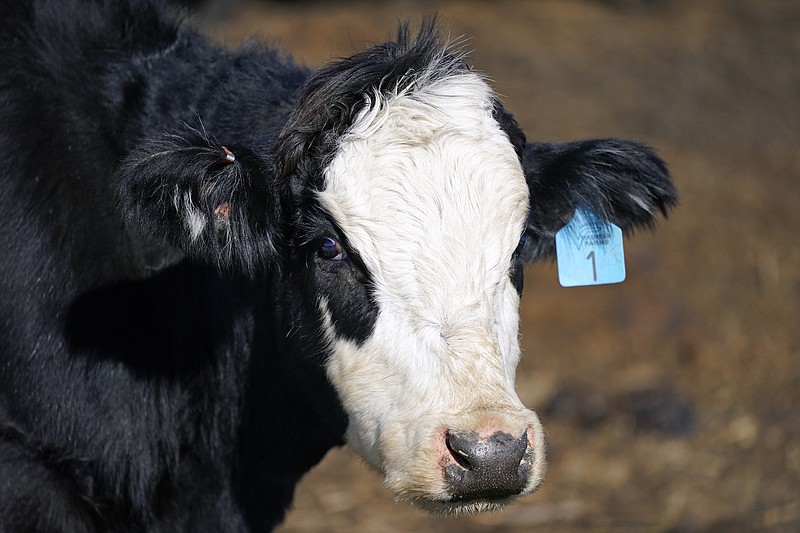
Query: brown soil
x: 710, y: 312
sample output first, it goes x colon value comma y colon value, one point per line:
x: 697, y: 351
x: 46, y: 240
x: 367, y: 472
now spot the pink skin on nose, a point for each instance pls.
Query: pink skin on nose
x: 486, y: 430
x: 531, y: 437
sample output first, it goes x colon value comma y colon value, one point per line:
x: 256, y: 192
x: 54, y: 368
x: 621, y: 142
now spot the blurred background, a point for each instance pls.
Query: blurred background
x: 671, y: 401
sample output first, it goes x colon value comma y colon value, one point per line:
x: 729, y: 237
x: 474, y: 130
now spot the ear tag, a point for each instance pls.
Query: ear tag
x: 589, y: 251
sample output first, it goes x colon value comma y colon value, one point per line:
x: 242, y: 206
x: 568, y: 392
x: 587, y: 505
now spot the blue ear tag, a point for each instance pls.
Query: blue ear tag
x: 589, y: 251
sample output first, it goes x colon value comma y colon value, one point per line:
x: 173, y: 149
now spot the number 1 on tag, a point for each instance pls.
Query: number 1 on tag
x: 594, y: 265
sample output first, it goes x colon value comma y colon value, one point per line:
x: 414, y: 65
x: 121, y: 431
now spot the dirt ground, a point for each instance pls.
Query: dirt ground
x: 671, y: 401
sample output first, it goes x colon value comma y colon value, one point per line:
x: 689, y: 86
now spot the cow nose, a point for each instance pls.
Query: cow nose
x: 492, y: 467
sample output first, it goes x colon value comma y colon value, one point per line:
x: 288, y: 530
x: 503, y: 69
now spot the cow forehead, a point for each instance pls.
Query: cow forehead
x: 427, y: 180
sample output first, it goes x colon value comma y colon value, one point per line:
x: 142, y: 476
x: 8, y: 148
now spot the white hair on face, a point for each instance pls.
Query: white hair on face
x: 430, y: 192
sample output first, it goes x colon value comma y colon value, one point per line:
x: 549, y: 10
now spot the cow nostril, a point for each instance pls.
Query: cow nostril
x: 456, y: 448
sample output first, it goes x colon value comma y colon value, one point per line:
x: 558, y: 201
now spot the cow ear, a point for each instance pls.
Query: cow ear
x: 622, y: 181
x: 211, y: 202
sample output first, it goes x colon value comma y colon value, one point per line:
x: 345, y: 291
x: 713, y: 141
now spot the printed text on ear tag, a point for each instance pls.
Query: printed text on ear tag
x: 589, y: 251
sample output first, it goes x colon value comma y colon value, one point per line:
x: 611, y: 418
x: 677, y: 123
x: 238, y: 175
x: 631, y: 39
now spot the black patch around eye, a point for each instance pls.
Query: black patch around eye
x: 519, y: 260
x: 518, y: 275
x: 346, y: 287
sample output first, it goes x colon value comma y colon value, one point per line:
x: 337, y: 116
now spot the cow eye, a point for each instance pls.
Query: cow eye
x: 331, y: 250
x: 523, y: 244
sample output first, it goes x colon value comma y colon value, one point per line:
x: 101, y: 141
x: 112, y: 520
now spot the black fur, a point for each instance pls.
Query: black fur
x: 160, y: 375
x: 241, y: 214
x: 315, y: 124
x: 621, y: 181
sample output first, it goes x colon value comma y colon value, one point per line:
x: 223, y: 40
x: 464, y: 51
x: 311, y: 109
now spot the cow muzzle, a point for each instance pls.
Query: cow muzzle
x: 478, y: 462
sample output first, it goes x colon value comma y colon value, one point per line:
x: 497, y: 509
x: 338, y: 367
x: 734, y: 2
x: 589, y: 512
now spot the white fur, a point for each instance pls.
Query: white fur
x: 193, y: 218
x: 430, y: 193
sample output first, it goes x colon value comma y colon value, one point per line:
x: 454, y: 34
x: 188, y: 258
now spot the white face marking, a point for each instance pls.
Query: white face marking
x: 429, y: 191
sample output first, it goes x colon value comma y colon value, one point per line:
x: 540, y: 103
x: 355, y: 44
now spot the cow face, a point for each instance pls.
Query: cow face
x: 420, y: 205
x: 428, y: 201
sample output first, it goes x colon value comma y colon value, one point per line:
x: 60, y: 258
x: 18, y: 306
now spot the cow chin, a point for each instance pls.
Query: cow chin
x: 455, y: 508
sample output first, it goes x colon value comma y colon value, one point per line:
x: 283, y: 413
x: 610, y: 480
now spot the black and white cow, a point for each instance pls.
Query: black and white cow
x: 217, y: 265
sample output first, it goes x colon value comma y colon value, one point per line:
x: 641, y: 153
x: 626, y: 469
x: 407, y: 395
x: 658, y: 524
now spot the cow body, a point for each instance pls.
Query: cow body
x: 218, y: 265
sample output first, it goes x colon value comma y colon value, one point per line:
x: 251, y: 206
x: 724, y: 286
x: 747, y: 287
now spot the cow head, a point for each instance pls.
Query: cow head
x: 409, y: 205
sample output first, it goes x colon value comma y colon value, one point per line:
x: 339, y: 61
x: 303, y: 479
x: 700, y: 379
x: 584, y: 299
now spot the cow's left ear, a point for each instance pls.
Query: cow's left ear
x: 619, y: 180
x: 210, y: 202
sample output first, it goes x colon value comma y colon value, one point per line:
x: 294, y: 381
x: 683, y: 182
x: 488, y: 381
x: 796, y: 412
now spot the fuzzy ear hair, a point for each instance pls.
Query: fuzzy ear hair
x: 622, y: 181
x: 212, y: 202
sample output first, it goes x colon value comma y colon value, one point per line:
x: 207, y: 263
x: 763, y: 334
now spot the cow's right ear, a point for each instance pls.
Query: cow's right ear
x: 210, y: 201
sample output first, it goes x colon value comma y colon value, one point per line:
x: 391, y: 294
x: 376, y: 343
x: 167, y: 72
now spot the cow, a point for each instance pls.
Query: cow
x: 217, y: 265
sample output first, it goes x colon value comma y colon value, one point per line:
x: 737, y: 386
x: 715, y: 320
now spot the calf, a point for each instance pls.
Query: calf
x: 218, y: 265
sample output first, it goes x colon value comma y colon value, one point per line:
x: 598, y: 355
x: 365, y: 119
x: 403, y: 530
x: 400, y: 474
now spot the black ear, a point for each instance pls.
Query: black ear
x: 619, y: 180
x: 211, y: 202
